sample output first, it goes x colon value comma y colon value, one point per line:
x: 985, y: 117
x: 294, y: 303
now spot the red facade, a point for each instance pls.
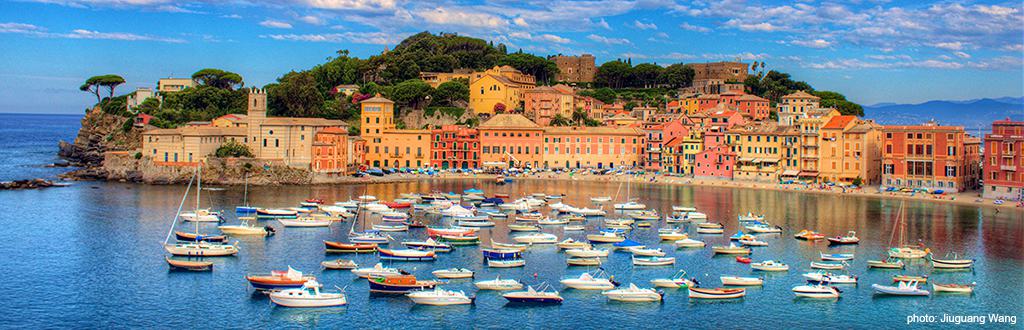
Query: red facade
x: 716, y: 161
x: 455, y: 146
x: 1003, y: 172
x: 929, y: 157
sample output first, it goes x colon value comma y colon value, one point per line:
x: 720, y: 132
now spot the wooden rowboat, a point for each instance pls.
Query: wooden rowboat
x: 953, y: 288
x: 339, y: 264
x: 196, y: 266
x: 192, y: 237
x: 340, y: 247
x: 908, y: 278
x: 716, y: 293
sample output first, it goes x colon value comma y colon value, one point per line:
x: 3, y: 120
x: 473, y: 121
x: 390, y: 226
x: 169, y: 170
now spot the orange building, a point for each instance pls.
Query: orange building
x: 851, y: 149
x: 511, y: 140
x: 454, y: 146
x: 930, y: 157
x: 543, y: 103
x: 592, y: 147
x: 330, y: 151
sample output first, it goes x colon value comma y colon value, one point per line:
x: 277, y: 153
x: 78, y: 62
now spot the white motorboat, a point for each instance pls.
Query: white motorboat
x: 574, y: 228
x: 530, y: 295
x: 731, y: 249
x: 476, y: 223
x: 828, y: 265
x: 377, y: 269
x: 901, y: 289
x: 439, y: 297
x: 570, y: 243
x: 309, y: 296
x: 498, y: 284
x: 200, y: 249
x: 391, y: 227
x: 741, y: 281
x: 588, y: 281
x: 587, y: 252
x: 493, y: 263
x: 632, y: 293
x: 588, y: 212
x: 689, y: 243
x: 630, y: 206
x: 769, y: 266
x: 552, y: 222
x: 305, y: 222
x: 367, y: 198
x: 536, y: 238
x: 645, y: 252
x: 201, y: 215
x: 672, y: 234
x: 823, y: 277
x: 339, y: 264
x: 653, y: 261
x: 453, y: 273
x: 753, y: 242
x: 817, y: 291
x: 677, y: 281
x: 683, y: 209
x: 606, y: 237
x: 394, y: 216
x: 763, y: 229
x: 645, y: 215
x: 954, y: 288
x: 750, y: 216
x: 710, y: 230
x: 246, y: 228
x: 835, y: 256
x: 600, y: 200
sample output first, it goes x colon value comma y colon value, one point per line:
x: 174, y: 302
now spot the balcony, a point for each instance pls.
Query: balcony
x: 1008, y: 168
x: 1008, y: 154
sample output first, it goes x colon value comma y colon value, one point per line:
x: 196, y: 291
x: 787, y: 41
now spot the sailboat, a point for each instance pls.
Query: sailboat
x: 629, y: 204
x: 366, y: 236
x: 195, y: 248
x: 245, y: 208
x: 200, y: 215
x: 903, y: 250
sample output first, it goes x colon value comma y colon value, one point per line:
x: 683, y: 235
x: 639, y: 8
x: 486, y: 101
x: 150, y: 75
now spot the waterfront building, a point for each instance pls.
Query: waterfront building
x: 331, y: 152
x: 592, y: 147
x: 404, y: 148
x: 174, y: 84
x: 809, y: 125
x: 543, y: 103
x: 454, y: 146
x: 681, y: 151
x: 498, y: 87
x: 716, y: 160
x: 186, y: 146
x: 850, y: 149
x: 1003, y: 172
x: 435, y: 79
x: 510, y: 140
x: 377, y: 115
x: 759, y: 148
x: 288, y: 140
x: 657, y: 133
x: 795, y: 106
x: 930, y: 157
x: 575, y: 69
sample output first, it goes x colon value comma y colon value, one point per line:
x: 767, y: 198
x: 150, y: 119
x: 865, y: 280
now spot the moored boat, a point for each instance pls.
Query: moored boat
x: 192, y: 237
x: 308, y: 296
x: 901, y: 289
x: 677, y: 281
x: 530, y: 295
x: 953, y: 288
x: 439, y: 297
x: 498, y: 284
x: 428, y: 245
x: 341, y: 247
x: 279, y: 280
x: 731, y: 249
x: 606, y: 237
x: 406, y: 255
x: 196, y: 266
x: 453, y: 273
x: 817, y: 291
x: 836, y: 256
x: 769, y: 266
x: 587, y: 252
x: 589, y: 281
x: 304, y: 222
x: 200, y: 249
x: 888, y: 263
x: 850, y: 238
x: 570, y: 243
x: 689, y: 243
x: 583, y: 261
x: 951, y: 262
x: 339, y: 264
x: 910, y: 278
x: 653, y: 261
x: 827, y: 265
x: 741, y: 281
x: 507, y: 263
x: 826, y: 277
x: 376, y: 269
x: 809, y: 235
x: 536, y: 238
x: 716, y: 293
x: 398, y: 283
x: 632, y: 293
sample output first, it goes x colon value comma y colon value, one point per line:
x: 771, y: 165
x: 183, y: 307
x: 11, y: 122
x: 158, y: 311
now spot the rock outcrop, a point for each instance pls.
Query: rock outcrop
x: 27, y: 184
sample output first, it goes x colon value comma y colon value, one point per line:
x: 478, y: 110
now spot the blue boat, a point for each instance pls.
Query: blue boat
x: 473, y: 191
x: 500, y: 254
x: 244, y: 210
x: 628, y: 243
x: 493, y: 200
x: 612, y: 230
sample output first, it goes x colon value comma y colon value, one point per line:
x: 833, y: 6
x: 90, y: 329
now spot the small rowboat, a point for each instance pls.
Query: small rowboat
x: 890, y: 263
x: 453, y: 273
x: 501, y: 254
x: 552, y: 222
x: 192, y: 237
x: 581, y: 261
x: 673, y: 234
x: 850, y: 238
x: 520, y: 247
x: 398, y: 205
x: 391, y: 228
x: 506, y: 263
x: 429, y: 245
x: 836, y: 256
x: 530, y: 217
x: 716, y: 293
x: 689, y: 243
x: 276, y: 213
x: 606, y: 237
x: 398, y: 283
x: 731, y: 249
x: 574, y: 228
x: 770, y: 266
x: 308, y: 296
x: 339, y: 264
x: 519, y: 227
x: 953, y: 288
x: 460, y: 240
x: 570, y: 243
x: 653, y: 261
x: 901, y: 289
x: 433, y: 231
x: 536, y: 238
x: 753, y: 242
x: 764, y: 229
x: 827, y: 265
x: 712, y: 225
x: 953, y: 263
x: 818, y: 291
x: 587, y: 252
x: 909, y: 278
x: 742, y: 281
x: 196, y: 266
x: 743, y: 260
x: 305, y: 222
x: 710, y: 230
x: 407, y: 255
x: 644, y: 252
x: 339, y: 247
x: 809, y: 235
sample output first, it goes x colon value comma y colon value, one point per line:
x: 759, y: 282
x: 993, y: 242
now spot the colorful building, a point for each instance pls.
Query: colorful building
x: 681, y: 152
x: 795, y: 106
x: 850, y: 149
x: 575, y: 69
x: 174, y: 84
x: 331, y: 152
x: 543, y: 103
x: 1003, y: 171
x: 231, y: 120
x: 592, y: 147
x: 511, y: 140
x: 435, y: 79
x: 377, y: 115
x: 657, y: 134
x: 187, y: 145
x: 405, y: 148
x: 454, y: 146
x: 502, y: 85
x: 930, y: 157
x: 716, y: 161
x: 760, y: 149
x: 810, y: 141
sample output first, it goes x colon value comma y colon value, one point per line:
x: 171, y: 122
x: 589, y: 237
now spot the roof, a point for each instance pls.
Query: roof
x: 198, y: 131
x: 600, y: 130
x: 839, y: 122
x: 295, y: 121
x: 673, y: 104
x: 620, y: 116
x: 708, y: 97
x: 751, y: 97
x: 377, y: 99
x: 766, y: 127
x: 801, y: 95
x: 508, y: 120
x: 334, y: 130
x: 233, y: 117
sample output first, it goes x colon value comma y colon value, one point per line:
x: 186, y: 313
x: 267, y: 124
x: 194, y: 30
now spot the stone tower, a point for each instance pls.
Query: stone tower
x: 257, y: 113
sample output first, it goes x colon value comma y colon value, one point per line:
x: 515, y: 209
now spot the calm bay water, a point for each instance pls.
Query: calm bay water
x: 90, y: 255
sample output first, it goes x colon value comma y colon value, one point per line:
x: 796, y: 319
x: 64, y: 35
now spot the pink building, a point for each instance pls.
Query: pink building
x: 543, y: 103
x: 707, y: 102
x: 722, y: 118
x: 657, y: 134
x: 716, y: 161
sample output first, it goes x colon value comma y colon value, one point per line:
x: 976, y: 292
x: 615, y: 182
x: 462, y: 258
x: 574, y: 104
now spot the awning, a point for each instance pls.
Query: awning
x: 790, y: 173
x: 745, y: 160
x: 757, y: 160
x: 809, y: 174
x: 769, y: 160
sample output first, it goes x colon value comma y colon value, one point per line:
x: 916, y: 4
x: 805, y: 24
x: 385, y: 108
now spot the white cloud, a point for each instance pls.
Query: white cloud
x: 540, y: 37
x: 519, y: 21
x: 373, y: 38
x: 748, y: 56
x: 609, y: 41
x: 458, y: 17
x: 232, y: 16
x: 176, y: 9
x: 962, y: 55
x: 604, y: 24
x: 359, y: 5
x: 275, y: 24
x: 695, y: 28
x: 816, y: 43
x: 1013, y: 48
x: 763, y: 26
x: 955, y: 45
x: 40, y: 32
x: 644, y: 26
x: 314, y: 20
x: 995, y: 10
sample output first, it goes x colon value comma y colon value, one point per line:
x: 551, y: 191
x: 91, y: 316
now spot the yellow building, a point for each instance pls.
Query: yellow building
x: 760, y: 147
x: 810, y: 145
x: 592, y: 147
x: 796, y: 106
x: 851, y: 148
x: 689, y: 104
x: 435, y: 79
x: 402, y: 148
x: 502, y: 85
x: 174, y: 84
x: 377, y: 115
x: 187, y: 145
x: 620, y: 120
x: 230, y: 120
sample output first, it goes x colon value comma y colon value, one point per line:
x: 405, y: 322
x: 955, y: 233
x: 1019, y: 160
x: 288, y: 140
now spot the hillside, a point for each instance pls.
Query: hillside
x: 972, y: 114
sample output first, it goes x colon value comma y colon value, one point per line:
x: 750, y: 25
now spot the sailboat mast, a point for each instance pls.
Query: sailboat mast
x: 245, y: 193
x: 199, y: 190
x: 180, y: 206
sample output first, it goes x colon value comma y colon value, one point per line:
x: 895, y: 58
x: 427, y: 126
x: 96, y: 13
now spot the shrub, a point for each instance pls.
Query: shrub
x: 233, y: 149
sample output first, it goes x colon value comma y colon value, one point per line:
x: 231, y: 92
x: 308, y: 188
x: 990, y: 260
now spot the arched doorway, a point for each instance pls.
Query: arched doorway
x: 465, y: 165
x: 444, y: 165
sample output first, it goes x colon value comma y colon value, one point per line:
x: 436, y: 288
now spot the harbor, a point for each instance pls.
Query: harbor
x: 110, y: 234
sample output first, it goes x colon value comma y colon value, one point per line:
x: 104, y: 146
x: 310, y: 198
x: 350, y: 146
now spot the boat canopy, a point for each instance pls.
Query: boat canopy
x: 627, y: 243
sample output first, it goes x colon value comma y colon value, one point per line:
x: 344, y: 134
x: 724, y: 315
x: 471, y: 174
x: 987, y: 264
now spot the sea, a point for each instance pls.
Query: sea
x: 90, y: 256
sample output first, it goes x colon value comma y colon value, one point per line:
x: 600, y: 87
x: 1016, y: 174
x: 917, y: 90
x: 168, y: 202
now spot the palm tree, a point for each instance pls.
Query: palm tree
x: 558, y: 120
x: 579, y: 116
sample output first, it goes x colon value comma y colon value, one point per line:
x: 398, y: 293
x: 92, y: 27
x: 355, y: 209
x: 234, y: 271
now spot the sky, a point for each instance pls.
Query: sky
x: 872, y: 51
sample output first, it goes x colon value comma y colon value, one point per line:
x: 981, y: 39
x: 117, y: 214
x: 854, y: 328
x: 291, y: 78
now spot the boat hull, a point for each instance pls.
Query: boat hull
x: 952, y: 264
x: 696, y: 293
x: 533, y: 299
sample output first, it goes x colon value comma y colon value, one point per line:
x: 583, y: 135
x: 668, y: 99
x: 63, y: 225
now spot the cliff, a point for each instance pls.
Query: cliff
x: 100, y: 132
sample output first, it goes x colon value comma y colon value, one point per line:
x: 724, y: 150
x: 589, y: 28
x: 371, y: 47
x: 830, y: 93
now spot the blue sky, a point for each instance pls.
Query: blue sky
x: 873, y: 51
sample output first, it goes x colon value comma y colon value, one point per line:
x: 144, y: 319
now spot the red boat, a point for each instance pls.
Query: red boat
x: 190, y: 237
x: 315, y: 200
x: 279, y: 280
x: 397, y: 205
x: 340, y: 247
x: 742, y: 259
x: 433, y: 232
x: 501, y: 195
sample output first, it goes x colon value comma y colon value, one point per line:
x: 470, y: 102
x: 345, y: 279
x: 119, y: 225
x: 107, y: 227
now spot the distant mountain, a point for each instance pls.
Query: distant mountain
x: 972, y: 114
